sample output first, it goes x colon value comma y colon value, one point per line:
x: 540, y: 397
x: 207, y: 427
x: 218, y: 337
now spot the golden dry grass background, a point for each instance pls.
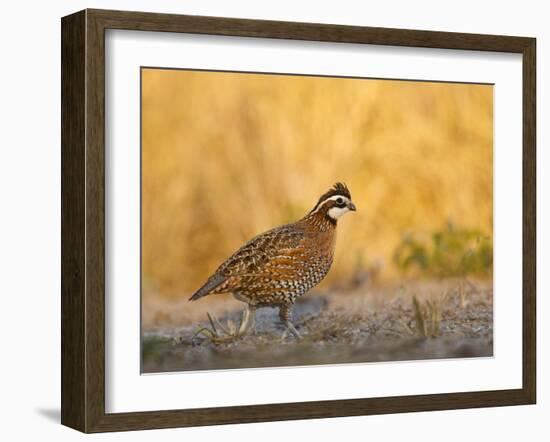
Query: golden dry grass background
x: 226, y: 156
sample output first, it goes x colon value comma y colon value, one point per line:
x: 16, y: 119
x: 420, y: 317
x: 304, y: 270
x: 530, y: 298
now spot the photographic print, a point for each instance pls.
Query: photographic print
x: 295, y: 220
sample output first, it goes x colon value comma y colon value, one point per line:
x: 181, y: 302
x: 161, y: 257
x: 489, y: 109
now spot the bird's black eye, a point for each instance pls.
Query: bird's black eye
x: 339, y: 201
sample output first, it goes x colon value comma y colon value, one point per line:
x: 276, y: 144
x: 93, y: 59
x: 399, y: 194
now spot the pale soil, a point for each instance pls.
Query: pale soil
x: 337, y: 326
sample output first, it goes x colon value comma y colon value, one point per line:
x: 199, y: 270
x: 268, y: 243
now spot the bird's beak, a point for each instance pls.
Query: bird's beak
x: 352, y: 207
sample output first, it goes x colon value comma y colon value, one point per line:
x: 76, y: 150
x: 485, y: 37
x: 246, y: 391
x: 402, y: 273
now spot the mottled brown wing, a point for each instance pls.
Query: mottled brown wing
x: 274, y: 253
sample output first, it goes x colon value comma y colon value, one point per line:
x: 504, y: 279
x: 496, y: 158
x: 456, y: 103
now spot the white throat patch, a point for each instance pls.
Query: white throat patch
x: 337, y: 212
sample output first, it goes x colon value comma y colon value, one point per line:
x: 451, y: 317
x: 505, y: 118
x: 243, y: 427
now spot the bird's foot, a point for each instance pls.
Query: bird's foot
x: 290, y: 330
x: 228, y: 333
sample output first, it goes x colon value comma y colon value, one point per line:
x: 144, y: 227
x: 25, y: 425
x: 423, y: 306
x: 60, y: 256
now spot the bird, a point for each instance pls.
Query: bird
x: 278, y: 266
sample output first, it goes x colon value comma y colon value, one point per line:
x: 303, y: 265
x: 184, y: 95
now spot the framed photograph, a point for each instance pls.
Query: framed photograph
x: 269, y: 220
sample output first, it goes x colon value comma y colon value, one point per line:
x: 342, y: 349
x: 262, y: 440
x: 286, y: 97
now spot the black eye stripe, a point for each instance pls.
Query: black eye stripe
x: 340, y: 201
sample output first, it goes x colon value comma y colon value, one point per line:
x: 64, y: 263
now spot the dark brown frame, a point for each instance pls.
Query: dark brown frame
x: 83, y: 216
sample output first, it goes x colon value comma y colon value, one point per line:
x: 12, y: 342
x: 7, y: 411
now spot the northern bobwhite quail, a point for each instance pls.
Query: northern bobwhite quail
x: 276, y: 267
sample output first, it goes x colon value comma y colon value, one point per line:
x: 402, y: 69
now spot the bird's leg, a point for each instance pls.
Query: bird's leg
x: 285, y: 311
x: 252, y: 319
x: 248, y: 320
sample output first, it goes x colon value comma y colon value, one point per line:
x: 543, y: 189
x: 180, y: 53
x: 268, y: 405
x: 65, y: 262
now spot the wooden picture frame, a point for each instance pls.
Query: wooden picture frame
x: 83, y: 220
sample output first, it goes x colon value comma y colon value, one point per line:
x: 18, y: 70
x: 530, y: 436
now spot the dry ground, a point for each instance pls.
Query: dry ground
x: 417, y: 320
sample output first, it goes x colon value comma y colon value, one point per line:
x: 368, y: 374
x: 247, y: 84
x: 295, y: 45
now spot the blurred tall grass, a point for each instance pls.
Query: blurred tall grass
x: 227, y: 156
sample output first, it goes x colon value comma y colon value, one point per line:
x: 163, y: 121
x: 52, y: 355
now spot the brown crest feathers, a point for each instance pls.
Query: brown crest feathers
x: 337, y: 189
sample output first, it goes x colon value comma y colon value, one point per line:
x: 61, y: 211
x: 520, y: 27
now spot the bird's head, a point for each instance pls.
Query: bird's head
x: 335, y: 202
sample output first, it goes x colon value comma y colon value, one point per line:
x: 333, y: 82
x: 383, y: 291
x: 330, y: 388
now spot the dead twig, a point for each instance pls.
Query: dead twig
x: 428, y: 316
x: 223, y: 334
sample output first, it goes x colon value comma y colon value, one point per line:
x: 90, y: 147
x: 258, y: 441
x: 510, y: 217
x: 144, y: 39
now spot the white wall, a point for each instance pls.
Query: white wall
x: 30, y: 216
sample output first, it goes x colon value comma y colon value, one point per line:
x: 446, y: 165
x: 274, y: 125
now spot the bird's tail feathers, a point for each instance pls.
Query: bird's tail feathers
x: 207, y: 288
